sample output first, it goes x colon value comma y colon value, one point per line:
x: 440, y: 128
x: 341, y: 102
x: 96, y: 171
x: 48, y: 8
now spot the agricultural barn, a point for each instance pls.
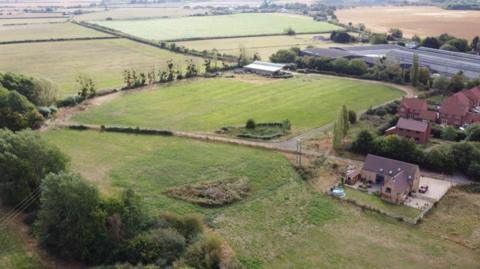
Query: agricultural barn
x: 264, y: 68
x: 438, y: 61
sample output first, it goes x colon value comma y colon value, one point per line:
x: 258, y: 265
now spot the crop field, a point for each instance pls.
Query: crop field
x: 103, y: 60
x: 139, y: 13
x: 283, y: 223
x: 422, y: 21
x: 207, y: 105
x: 45, y: 31
x: 218, y: 26
x: 262, y: 45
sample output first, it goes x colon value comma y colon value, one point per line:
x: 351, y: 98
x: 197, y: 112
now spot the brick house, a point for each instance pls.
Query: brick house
x: 413, y: 129
x: 461, y: 108
x: 414, y: 108
x: 396, y: 179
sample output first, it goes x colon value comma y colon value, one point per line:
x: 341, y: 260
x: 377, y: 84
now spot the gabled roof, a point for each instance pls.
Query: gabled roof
x: 400, y: 182
x: 458, y: 104
x: 412, y: 125
x: 389, y: 167
x: 473, y: 94
x: 428, y: 115
x: 414, y: 103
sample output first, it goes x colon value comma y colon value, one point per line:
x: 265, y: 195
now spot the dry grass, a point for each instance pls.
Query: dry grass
x: 422, y: 21
x: 456, y: 218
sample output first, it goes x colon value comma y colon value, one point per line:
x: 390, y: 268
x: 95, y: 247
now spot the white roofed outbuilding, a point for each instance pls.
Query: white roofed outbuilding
x: 264, y: 68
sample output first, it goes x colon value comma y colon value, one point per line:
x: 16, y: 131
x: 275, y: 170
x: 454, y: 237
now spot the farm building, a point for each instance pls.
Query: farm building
x: 443, y: 62
x: 396, y: 179
x: 264, y: 68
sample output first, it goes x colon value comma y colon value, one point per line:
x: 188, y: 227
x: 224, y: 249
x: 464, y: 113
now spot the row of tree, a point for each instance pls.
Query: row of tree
x: 74, y: 222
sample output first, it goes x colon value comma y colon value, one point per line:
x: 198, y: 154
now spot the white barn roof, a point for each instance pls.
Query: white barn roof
x: 265, y: 66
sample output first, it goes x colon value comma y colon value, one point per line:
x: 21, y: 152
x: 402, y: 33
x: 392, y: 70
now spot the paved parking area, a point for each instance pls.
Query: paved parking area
x: 436, y: 190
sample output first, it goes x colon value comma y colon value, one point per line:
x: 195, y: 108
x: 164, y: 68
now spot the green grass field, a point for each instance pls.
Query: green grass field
x: 282, y: 224
x: 45, y: 31
x: 218, y: 26
x: 103, y: 60
x: 262, y: 45
x: 207, y: 105
x: 139, y: 13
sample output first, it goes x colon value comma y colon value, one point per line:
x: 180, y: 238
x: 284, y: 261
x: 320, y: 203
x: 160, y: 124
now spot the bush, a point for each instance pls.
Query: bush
x: 160, y: 246
x: 190, y: 226
x: 449, y: 133
x: 16, y: 112
x: 250, y: 124
x: 205, y: 254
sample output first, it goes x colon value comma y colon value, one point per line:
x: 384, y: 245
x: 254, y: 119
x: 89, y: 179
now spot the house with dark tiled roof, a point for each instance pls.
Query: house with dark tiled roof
x: 461, y: 108
x: 396, y: 179
x: 415, y: 108
x: 412, y: 129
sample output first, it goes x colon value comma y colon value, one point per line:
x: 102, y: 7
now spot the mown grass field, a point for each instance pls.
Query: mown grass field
x: 45, y: 31
x: 103, y: 60
x: 207, y: 105
x: 282, y: 224
x: 139, y: 13
x: 263, y: 45
x: 218, y: 26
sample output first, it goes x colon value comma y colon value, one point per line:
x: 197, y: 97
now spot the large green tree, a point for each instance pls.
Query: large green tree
x: 25, y: 159
x: 70, y: 222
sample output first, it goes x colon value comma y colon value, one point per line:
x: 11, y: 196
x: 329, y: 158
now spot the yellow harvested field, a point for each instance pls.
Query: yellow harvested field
x: 415, y: 20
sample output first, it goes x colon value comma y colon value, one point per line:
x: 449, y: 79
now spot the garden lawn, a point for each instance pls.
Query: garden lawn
x: 373, y: 201
x: 243, y: 24
x: 282, y: 224
x: 209, y: 104
x: 102, y: 60
x: 45, y: 31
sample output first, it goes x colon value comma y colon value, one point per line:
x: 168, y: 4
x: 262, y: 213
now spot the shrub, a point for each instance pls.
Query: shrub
x: 160, y: 246
x: 190, y: 226
x: 449, y: 133
x: 205, y: 254
x: 16, y: 112
x: 250, y: 124
x: 352, y: 117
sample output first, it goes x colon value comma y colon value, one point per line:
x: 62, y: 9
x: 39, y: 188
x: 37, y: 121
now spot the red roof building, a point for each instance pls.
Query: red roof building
x: 458, y: 109
x: 412, y: 129
x: 414, y: 108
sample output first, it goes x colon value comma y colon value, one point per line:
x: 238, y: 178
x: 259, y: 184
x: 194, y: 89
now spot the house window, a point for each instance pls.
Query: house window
x: 388, y: 190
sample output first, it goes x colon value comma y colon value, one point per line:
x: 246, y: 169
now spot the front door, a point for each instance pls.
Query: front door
x: 379, y: 179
